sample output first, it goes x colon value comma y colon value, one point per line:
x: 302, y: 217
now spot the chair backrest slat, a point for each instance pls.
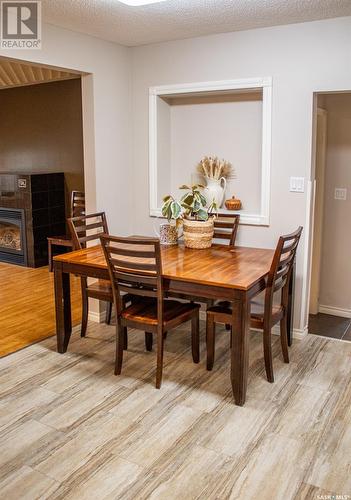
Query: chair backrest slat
x: 135, y: 253
x: 221, y: 235
x: 125, y: 264
x: 281, y: 268
x: 135, y: 267
x: 290, y: 248
x: 224, y: 222
x: 149, y: 281
x: 143, y: 292
x: 87, y: 228
x: 77, y: 203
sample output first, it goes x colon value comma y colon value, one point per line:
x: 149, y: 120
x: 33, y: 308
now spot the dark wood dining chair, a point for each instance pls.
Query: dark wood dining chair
x: 77, y: 208
x: 226, y: 227
x: 87, y: 229
x: 264, y: 315
x: 135, y: 268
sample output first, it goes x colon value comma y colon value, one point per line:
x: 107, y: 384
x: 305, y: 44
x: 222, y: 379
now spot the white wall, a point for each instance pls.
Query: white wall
x: 335, y: 284
x: 302, y: 59
x: 106, y: 115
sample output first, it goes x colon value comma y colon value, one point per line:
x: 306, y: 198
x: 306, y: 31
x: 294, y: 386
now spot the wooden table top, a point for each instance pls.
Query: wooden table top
x: 220, y: 265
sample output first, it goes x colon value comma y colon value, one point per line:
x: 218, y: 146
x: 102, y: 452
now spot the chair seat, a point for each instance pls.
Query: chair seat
x: 257, y: 313
x: 100, y: 289
x: 145, y: 311
x: 192, y: 298
x: 220, y: 309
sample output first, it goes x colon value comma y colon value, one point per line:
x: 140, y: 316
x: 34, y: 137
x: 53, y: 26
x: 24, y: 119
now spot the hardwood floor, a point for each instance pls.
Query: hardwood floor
x: 71, y: 429
x: 27, y: 309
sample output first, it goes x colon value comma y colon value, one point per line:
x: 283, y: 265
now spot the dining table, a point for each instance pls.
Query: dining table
x: 234, y: 274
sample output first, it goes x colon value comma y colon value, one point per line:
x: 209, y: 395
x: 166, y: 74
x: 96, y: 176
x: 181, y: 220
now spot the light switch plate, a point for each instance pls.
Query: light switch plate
x: 297, y: 184
x: 340, y: 194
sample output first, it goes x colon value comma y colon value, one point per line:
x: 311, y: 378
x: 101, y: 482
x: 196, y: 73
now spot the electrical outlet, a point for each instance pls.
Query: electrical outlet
x: 340, y: 194
x: 297, y: 184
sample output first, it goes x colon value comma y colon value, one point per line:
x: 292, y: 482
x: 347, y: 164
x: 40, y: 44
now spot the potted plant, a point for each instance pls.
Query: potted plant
x: 191, y: 210
x: 216, y: 172
x: 173, y: 211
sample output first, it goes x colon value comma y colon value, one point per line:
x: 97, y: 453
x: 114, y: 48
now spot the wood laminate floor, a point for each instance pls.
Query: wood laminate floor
x: 27, y: 310
x: 70, y: 429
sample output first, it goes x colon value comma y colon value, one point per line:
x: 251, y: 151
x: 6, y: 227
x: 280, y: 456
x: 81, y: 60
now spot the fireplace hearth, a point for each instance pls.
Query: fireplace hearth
x: 32, y: 208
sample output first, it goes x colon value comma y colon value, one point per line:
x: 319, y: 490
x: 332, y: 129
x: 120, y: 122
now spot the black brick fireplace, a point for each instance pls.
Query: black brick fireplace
x: 32, y: 207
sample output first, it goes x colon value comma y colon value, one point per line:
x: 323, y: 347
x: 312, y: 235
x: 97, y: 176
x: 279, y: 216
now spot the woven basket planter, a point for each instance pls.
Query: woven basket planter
x: 198, y: 234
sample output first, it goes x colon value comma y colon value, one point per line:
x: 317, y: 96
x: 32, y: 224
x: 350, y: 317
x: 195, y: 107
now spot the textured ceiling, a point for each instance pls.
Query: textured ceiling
x: 15, y: 74
x: 177, y: 19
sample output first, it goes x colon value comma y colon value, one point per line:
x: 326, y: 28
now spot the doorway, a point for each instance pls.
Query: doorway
x: 330, y: 291
x: 41, y: 162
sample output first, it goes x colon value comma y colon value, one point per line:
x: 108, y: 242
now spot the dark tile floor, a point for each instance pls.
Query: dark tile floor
x: 330, y: 326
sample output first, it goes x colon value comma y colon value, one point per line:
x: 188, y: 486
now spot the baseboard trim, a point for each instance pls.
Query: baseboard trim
x: 96, y: 317
x: 203, y: 315
x: 297, y: 332
x: 335, y: 311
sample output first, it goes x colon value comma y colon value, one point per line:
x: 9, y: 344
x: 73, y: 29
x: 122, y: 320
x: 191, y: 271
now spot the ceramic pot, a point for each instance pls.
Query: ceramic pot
x: 168, y: 234
x: 215, y: 190
x: 197, y: 233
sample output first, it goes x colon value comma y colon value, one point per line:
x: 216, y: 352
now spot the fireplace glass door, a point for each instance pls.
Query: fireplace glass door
x: 12, y: 236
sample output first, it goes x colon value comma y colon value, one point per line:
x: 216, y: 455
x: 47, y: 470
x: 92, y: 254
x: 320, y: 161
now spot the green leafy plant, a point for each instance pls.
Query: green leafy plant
x: 191, y: 205
x: 193, y: 202
x: 172, y: 209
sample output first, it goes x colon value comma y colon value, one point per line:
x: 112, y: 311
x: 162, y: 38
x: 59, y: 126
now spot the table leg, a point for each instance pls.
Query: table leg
x: 290, y: 309
x: 63, y: 308
x: 240, y: 348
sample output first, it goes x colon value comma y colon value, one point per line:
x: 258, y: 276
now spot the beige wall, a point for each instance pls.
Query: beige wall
x: 41, y: 130
x: 335, y: 288
x: 227, y: 126
x: 302, y: 59
x: 106, y: 115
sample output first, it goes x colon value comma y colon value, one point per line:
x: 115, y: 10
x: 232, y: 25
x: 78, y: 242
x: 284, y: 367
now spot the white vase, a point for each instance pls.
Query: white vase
x: 215, y: 190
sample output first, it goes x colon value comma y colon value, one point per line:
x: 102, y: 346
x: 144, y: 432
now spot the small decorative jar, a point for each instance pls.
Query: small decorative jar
x: 233, y: 204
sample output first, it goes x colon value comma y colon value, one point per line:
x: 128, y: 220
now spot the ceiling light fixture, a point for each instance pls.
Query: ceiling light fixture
x: 137, y: 3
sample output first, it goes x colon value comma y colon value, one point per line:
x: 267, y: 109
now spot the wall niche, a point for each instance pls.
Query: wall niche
x: 231, y: 120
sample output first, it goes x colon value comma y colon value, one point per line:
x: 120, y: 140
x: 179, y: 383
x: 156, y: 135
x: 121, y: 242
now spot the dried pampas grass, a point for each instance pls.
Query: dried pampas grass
x: 214, y: 168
